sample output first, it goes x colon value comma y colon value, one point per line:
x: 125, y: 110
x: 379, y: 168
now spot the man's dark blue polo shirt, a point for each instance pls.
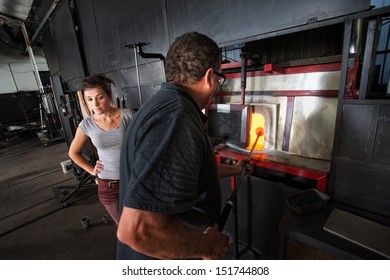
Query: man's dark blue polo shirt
x: 167, y: 163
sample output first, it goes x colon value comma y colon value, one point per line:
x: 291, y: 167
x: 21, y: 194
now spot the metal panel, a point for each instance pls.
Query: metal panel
x: 74, y: 84
x: 134, y: 22
x: 231, y: 20
x: 50, y: 53
x: 355, y: 131
x: 132, y: 98
x: 150, y: 74
x: 63, y: 32
x: 89, y: 36
x: 313, y: 126
x: 370, y: 190
x: 302, y: 81
x: 229, y: 122
x: 150, y: 79
x: 343, y: 80
x: 381, y: 152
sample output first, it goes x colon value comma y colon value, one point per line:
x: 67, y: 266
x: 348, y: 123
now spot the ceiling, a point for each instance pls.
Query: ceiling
x: 12, y: 13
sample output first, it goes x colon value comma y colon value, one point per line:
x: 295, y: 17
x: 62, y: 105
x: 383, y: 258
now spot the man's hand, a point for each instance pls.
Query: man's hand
x: 245, y: 164
x: 219, y: 243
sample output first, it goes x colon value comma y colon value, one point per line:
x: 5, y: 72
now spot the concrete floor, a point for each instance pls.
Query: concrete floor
x: 34, y: 225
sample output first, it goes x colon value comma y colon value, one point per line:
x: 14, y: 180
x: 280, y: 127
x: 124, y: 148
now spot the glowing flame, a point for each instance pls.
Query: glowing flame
x: 257, y: 121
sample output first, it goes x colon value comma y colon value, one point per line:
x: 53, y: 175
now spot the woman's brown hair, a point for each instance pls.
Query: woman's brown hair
x: 98, y: 81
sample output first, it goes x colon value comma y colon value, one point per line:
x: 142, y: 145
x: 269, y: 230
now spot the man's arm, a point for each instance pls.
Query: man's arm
x: 162, y: 236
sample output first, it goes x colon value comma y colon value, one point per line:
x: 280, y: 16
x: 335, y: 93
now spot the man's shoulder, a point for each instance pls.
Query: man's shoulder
x: 128, y: 113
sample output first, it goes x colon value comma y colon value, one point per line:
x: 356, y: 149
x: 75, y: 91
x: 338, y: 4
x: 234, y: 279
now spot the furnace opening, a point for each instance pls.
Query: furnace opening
x: 257, y: 121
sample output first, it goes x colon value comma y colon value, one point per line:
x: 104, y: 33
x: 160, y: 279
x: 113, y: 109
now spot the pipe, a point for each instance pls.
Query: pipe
x: 138, y: 49
x: 13, y: 76
x: 41, y: 115
x: 134, y: 46
x: 243, y: 76
x: 32, y: 58
x: 148, y: 55
x: 152, y: 55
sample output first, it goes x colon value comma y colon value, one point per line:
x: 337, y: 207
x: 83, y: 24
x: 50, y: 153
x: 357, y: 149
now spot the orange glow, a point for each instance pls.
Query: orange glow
x: 257, y: 121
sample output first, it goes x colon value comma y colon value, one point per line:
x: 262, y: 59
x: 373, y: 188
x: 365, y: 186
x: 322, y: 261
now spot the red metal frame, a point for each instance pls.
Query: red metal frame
x: 272, y: 69
x: 262, y: 161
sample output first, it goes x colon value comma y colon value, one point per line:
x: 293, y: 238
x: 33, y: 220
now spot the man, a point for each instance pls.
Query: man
x: 170, y: 196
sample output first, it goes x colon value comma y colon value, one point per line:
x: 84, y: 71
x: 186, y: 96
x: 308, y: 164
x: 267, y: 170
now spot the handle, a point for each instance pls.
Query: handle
x: 225, y: 214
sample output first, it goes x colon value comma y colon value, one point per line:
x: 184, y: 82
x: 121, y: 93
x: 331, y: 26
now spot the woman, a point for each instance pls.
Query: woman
x: 105, y: 127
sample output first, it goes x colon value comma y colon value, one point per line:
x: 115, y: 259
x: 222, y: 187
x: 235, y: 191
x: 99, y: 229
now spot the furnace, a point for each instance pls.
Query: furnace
x: 296, y: 108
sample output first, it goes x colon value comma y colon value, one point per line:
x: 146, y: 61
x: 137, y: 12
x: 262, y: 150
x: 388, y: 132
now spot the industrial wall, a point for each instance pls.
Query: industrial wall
x: 90, y: 36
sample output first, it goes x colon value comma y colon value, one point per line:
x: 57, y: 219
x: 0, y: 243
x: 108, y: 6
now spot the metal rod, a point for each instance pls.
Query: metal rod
x: 152, y: 55
x: 230, y: 202
x: 137, y: 71
x: 32, y: 58
x: 41, y: 115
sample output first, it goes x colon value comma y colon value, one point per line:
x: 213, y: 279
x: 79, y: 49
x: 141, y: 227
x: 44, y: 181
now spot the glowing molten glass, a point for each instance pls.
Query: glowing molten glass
x: 257, y: 127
